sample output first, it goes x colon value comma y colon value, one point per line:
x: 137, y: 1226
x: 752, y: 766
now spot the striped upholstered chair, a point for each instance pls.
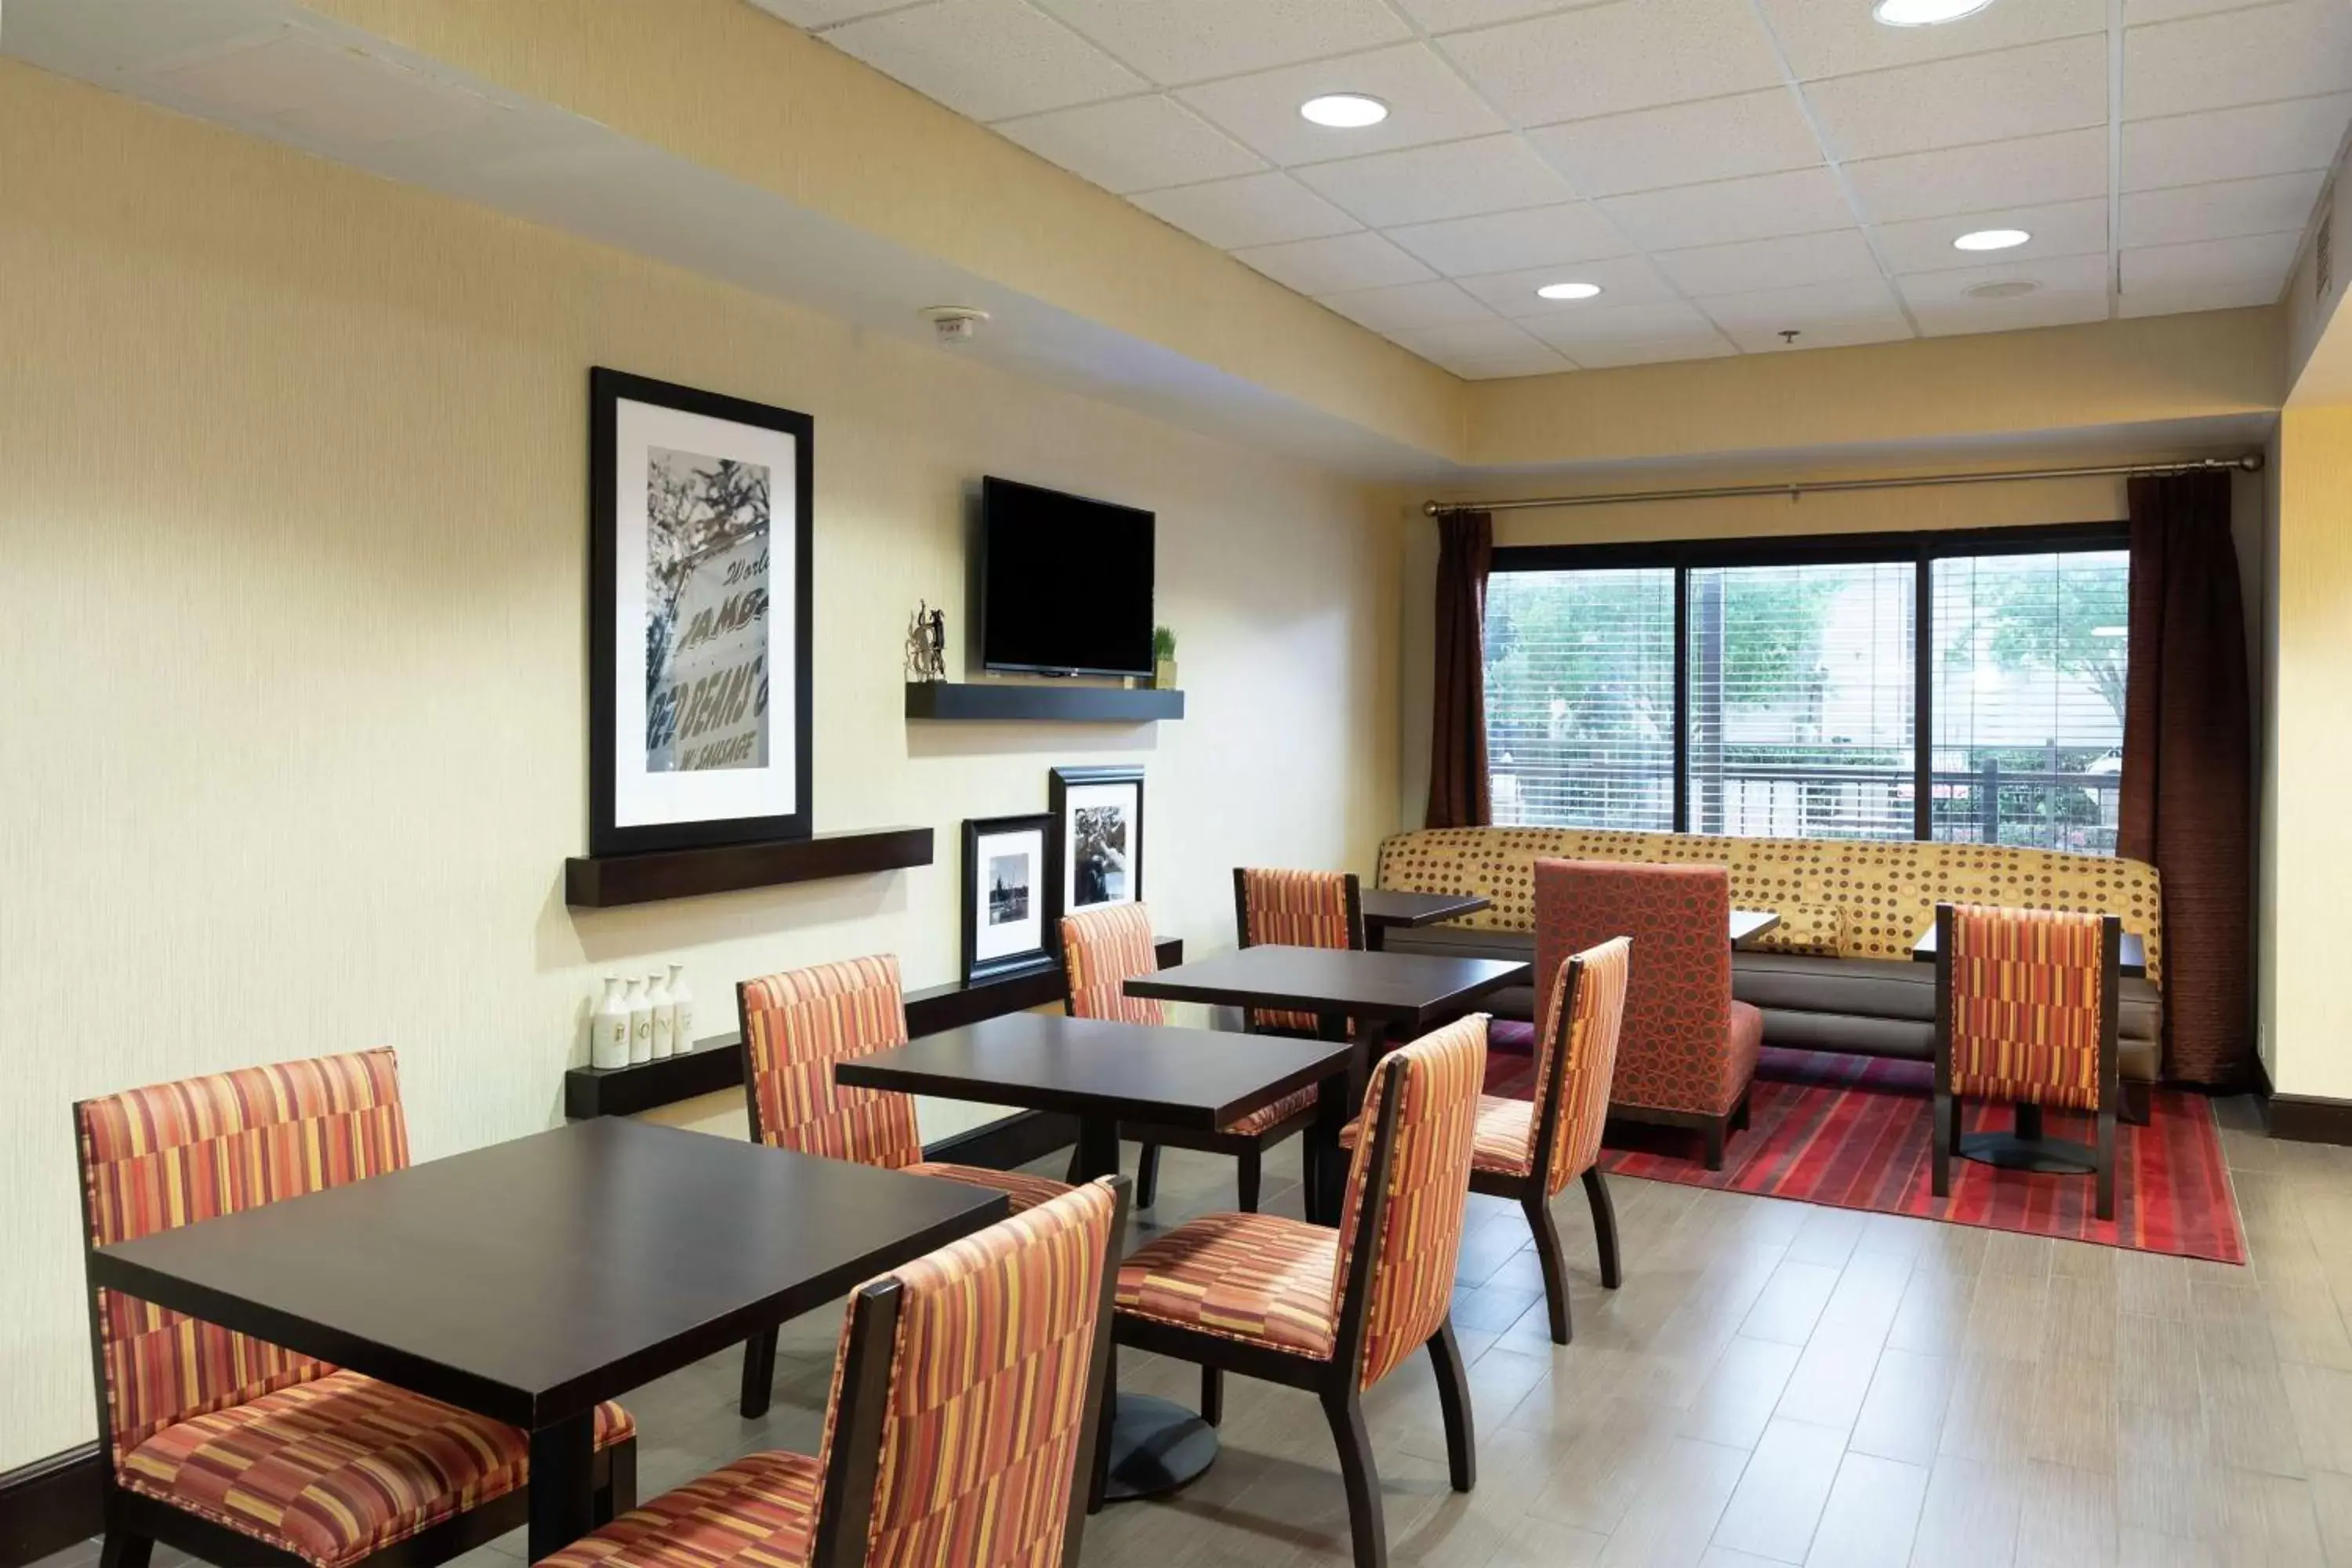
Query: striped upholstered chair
x: 1296, y: 909
x: 1104, y: 948
x: 796, y: 1025
x: 2026, y: 1011
x: 964, y: 1393
x: 1335, y: 1311
x: 236, y: 1451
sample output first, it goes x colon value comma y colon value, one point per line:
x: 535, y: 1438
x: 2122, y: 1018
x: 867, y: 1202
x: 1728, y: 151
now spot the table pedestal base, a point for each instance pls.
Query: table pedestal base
x: 1156, y: 1446
x: 2014, y: 1151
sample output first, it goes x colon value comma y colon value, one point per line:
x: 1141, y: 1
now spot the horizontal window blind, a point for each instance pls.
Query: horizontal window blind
x: 1581, y: 698
x: 2028, y: 706
x: 1802, y: 700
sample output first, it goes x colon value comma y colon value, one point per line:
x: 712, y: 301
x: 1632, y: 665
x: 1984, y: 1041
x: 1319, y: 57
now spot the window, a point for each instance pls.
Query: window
x: 1581, y: 698
x: 1785, y: 688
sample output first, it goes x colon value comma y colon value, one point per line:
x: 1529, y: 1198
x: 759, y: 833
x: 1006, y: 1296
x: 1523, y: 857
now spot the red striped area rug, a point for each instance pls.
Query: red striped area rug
x: 1852, y: 1132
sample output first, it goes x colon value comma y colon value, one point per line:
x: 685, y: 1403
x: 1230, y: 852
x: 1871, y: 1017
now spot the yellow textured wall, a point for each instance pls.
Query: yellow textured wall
x: 2310, y: 1014
x: 292, y: 491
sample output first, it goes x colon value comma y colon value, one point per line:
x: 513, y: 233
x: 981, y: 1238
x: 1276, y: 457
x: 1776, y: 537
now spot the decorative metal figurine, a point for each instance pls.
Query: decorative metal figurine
x: 927, y: 644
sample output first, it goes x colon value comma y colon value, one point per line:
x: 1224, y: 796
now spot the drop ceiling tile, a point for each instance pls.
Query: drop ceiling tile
x: 1175, y: 41
x: 2297, y: 49
x: 1839, y: 253
x: 2180, y: 302
x: 1682, y: 144
x: 2055, y: 275
x: 1403, y: 305
x: 987, y: 59
x: 1453, y: 15
x: 2275, y: 203
x: 1597, y: 325
x: 2032, y: 171
x: 1825, y: 40
x: 1253, y: 209
x: 1762, y: 206
x: 1427, y: 102
x: 1808, y: 306
x: 1497, y: 348
x: 1505, y: 242
x: 1652, y: 350
x: 2022, y: 314
x: 1336, y: 266
x: 1625, y: 280
x: 1510, y: 369
x: 1605, y: 60
x: 2235, y: 144
x: 2069, y: 229
x: 823, y: 13
x: 1424, y: 184
x: 1823, y: 335
x: 2059, y: 86
x: 1133, y: 144
x: 2137, y: 12
x: 2254, y: 261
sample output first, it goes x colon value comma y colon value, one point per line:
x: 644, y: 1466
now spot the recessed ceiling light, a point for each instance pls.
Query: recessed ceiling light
x: 1344, y: 110
x: 1925, y: 12
x: 1568, y: 291
x: 2007, y: 288
x: 1991, y: 240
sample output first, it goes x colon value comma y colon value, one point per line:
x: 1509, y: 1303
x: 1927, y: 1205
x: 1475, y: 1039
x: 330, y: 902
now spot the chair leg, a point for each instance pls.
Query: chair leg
x: 1366, y: 1526
x: 1099, y: 1483
x: 2104, y: 1205
x: 1249, y: 1170
x: 618, y: 1495
x: 758, y: 1373
x: 1555, y: 1267
x: 1453, y: 1403
x: 1940, y: 1158
x: 1147, y: 1176
x: 1604, y: 1226
x: 2137, y: 1106
x: 1212, y: 1395
x: 1714, y: 1133
x: 1740, y: 1111
x: 124, y: 1550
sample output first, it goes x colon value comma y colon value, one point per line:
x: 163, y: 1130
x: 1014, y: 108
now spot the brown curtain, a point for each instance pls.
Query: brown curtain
x: 2186, y: 773
x: 1457, y: 726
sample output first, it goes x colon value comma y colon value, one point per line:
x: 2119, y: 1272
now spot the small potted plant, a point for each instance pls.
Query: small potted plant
x: 1163, y: 658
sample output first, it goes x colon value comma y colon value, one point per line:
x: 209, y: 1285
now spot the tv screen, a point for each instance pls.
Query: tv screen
x: 1066, y: 584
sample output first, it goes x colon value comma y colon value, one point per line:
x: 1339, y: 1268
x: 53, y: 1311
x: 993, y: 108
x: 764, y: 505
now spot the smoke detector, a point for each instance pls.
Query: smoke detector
x: 953, y: 324
x: 2006, y: 289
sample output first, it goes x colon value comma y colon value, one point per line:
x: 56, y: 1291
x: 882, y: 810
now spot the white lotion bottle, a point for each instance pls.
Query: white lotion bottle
x: 665, y: 1017
x: 681, y: 1002
x: 608, y: 1028
x: 641, y: 1024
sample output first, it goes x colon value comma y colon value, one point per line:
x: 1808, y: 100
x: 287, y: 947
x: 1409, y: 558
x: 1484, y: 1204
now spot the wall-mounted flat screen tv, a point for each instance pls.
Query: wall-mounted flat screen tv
x: 1065, y: 583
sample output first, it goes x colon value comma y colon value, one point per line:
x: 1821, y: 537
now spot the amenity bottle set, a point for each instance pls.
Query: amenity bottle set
x: 642, y: 1020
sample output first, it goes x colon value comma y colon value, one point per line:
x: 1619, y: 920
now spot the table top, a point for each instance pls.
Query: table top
x: 530, y: 1279
x: 1206, y: 1079
x: 1746, y: 924
x: 1384, y: 907
x: 1393, y: 987
x: 2133, y: 966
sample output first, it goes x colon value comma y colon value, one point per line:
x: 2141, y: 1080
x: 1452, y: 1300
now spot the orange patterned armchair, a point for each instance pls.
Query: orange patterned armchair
x: 2026, y: 1011
x: 1686, y: 1051
x: 965, y: 1391
x: 1296, y: 909
x: 235, y: 1450
x: 1335, y: 1311
x: 1102, y: 949
x: 796, y: 1025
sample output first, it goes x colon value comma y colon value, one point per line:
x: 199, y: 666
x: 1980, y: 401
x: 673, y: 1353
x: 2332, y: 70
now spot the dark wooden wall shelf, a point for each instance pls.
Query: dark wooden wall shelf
x: 1016, y: 701
x: 606, y: 882
x: 716, y: 1063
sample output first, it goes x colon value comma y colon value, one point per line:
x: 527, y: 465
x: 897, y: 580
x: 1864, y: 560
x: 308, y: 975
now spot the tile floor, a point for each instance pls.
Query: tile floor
x: 1774, y: 1384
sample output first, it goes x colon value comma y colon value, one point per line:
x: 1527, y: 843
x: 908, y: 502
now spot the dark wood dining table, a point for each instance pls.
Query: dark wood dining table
x: 1386, y: 909
x: 532, y: 1280
x: 1106, y: 1073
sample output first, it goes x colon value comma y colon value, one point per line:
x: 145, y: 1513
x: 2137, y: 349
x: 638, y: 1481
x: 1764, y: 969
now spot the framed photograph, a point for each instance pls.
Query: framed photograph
x: 1098, y: 838
x: 698, y: 618
x: 1004, y: 895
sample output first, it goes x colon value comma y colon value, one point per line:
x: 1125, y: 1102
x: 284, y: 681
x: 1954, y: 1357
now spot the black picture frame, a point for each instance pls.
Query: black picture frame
x: 608, y: 834
x: 1061, y: 785
x: 978, y: 831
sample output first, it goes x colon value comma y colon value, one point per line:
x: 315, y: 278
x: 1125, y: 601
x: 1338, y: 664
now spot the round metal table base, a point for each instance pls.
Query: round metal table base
x: 2057, y: 1156
x: 1156, y: 1446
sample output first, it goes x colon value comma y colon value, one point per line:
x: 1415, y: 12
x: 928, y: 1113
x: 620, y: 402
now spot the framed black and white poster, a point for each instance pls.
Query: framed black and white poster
x: 698, y: 618
x: 1097, y: 836
x: 1004, y: 895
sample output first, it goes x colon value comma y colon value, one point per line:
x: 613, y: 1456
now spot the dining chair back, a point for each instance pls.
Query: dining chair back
x: 1102, y: 949
x: 1296, y: 909
x: 796, y: 1025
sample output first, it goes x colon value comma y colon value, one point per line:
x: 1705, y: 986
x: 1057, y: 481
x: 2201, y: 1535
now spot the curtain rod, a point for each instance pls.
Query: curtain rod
x: 2251, y: 463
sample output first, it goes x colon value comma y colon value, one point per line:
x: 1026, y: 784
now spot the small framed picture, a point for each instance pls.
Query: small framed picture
x: 1004, y: 895
x: 1098, y: 838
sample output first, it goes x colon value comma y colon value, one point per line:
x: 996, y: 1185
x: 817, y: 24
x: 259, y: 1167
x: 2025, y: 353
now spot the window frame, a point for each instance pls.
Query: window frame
x: 1919, y: 548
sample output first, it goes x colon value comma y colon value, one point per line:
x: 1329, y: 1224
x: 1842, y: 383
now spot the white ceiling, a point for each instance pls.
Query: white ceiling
x: 1727, y: 170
